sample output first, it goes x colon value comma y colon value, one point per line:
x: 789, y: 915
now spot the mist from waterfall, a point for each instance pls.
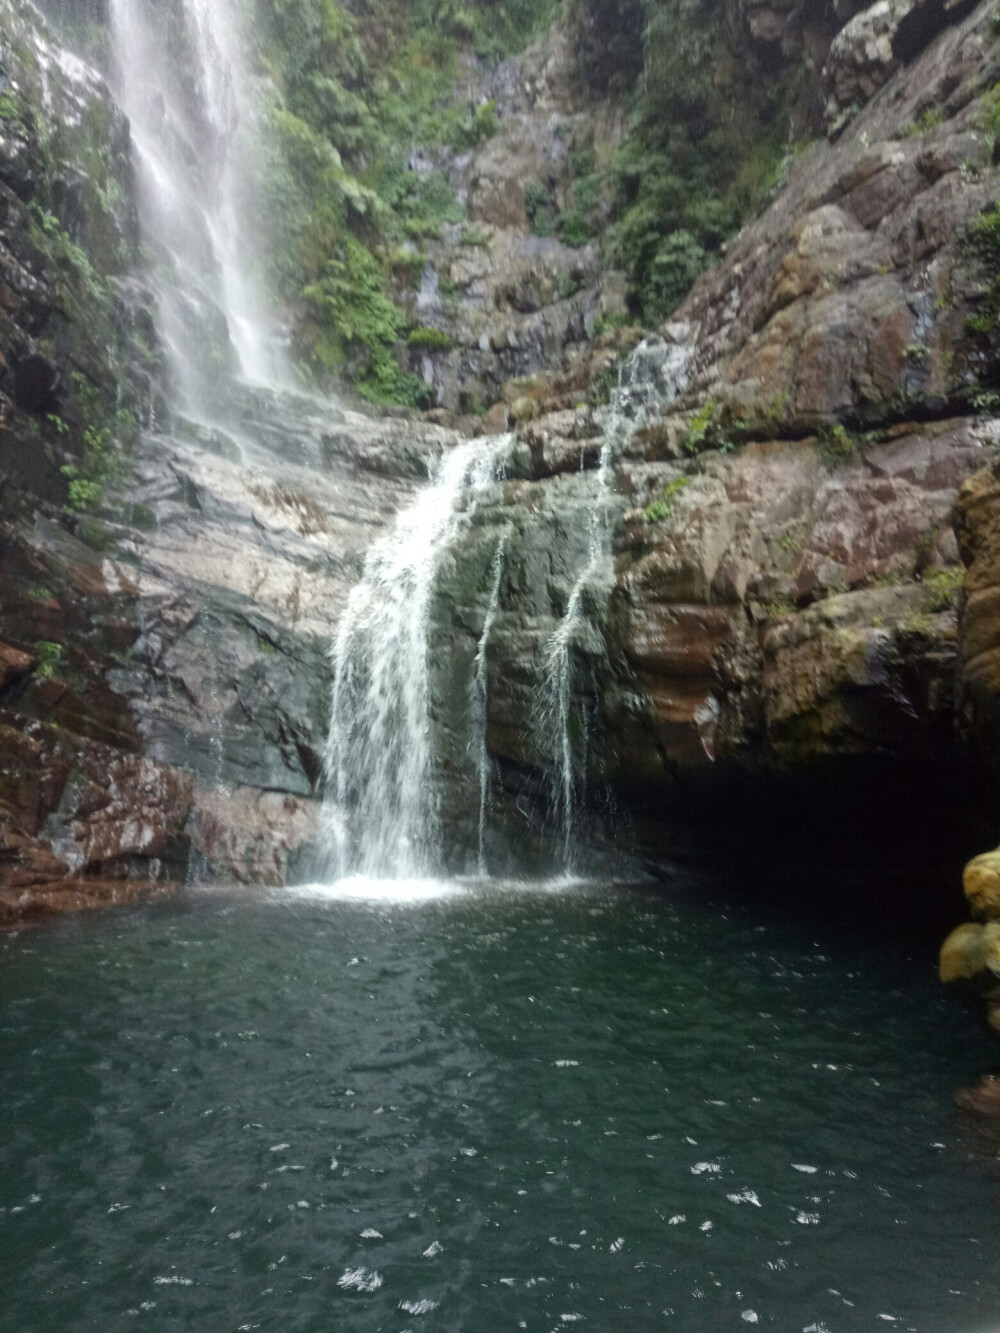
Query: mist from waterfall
x: 182, y: 74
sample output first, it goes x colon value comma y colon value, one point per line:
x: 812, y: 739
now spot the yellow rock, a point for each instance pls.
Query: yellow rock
x: 523, y: 409
x: 981, y: 882
x: 963, y: 954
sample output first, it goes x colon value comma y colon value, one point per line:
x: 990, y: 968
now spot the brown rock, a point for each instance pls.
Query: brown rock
x: 495, y: 420
x: 14, y: 665
x: 982, y: 1097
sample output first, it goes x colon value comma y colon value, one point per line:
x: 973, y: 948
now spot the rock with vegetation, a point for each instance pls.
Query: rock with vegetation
x: 783, y: 624
x: 168, y: 588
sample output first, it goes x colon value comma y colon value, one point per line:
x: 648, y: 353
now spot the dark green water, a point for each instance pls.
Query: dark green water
x: 496, y: 1110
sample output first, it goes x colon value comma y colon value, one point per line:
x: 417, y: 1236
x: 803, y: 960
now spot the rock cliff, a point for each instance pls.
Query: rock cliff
x: 784, y: 635
x: 780, y: 640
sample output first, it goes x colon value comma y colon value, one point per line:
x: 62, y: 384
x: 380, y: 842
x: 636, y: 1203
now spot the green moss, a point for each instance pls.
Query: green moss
x: 929, y: 119
x: 142, y: 517
x: 475, y: 234
x: 476, y: 127
x: 838, y: 447
x: 944, y: 586
x: 430, y: 339
x: 574, y: 229
x: 10, y: 107
x: 539, y: 207
x: 603, y: 386
x: 696, y: 437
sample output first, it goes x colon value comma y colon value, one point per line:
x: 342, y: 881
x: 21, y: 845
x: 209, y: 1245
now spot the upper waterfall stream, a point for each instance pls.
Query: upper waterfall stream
x: 182, y: 79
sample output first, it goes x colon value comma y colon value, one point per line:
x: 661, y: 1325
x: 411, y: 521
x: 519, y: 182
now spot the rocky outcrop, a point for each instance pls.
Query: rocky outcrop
x: 876, y: 42
x: 783, y: 618
x: 511, y: 303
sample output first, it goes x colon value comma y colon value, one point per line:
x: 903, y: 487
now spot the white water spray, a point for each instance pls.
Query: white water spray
x: 381, y: 815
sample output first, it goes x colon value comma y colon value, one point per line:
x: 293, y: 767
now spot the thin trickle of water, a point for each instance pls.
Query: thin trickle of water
x: 479, y: 699
x: 651, y: 376
x: 182, y: 78
x: 380, y: 817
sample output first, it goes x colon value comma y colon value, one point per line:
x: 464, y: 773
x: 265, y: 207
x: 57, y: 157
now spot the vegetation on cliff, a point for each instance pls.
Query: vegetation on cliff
x: 364, y: 89
x: 358, y: 90
x: 706, y: 139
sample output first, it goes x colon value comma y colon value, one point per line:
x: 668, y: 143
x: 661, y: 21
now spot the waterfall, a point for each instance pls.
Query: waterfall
x: 381, y: 816
x: 182, y: 78
x: 651, y: 376
x: 479, y: 698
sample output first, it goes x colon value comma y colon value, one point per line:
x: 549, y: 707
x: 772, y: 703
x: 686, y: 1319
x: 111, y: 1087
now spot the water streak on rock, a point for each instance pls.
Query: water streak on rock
x: 479, y: 699
x: 653, y: 375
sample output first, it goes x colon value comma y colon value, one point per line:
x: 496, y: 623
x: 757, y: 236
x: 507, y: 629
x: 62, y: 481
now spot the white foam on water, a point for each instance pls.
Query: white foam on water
x: 404, y: 891
x: 365, y: 888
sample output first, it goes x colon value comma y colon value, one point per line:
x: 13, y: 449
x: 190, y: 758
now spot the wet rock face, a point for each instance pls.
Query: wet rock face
x: 163, y: 646
x: 786, y: 581
x: 175, y: 704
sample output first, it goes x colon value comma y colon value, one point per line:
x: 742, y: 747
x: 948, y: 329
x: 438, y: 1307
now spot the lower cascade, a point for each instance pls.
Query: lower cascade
x: 479, y: 700
x: 381, y: 816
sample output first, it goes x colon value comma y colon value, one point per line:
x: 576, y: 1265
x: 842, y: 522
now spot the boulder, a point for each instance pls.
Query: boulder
x: 981, y: 882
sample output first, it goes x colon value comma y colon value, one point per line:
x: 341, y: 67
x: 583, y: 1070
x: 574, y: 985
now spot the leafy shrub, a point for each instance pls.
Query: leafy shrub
x: 476, y: 128
x: 538, y: 206
x: 50, y: 656
x: 574, y: 229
